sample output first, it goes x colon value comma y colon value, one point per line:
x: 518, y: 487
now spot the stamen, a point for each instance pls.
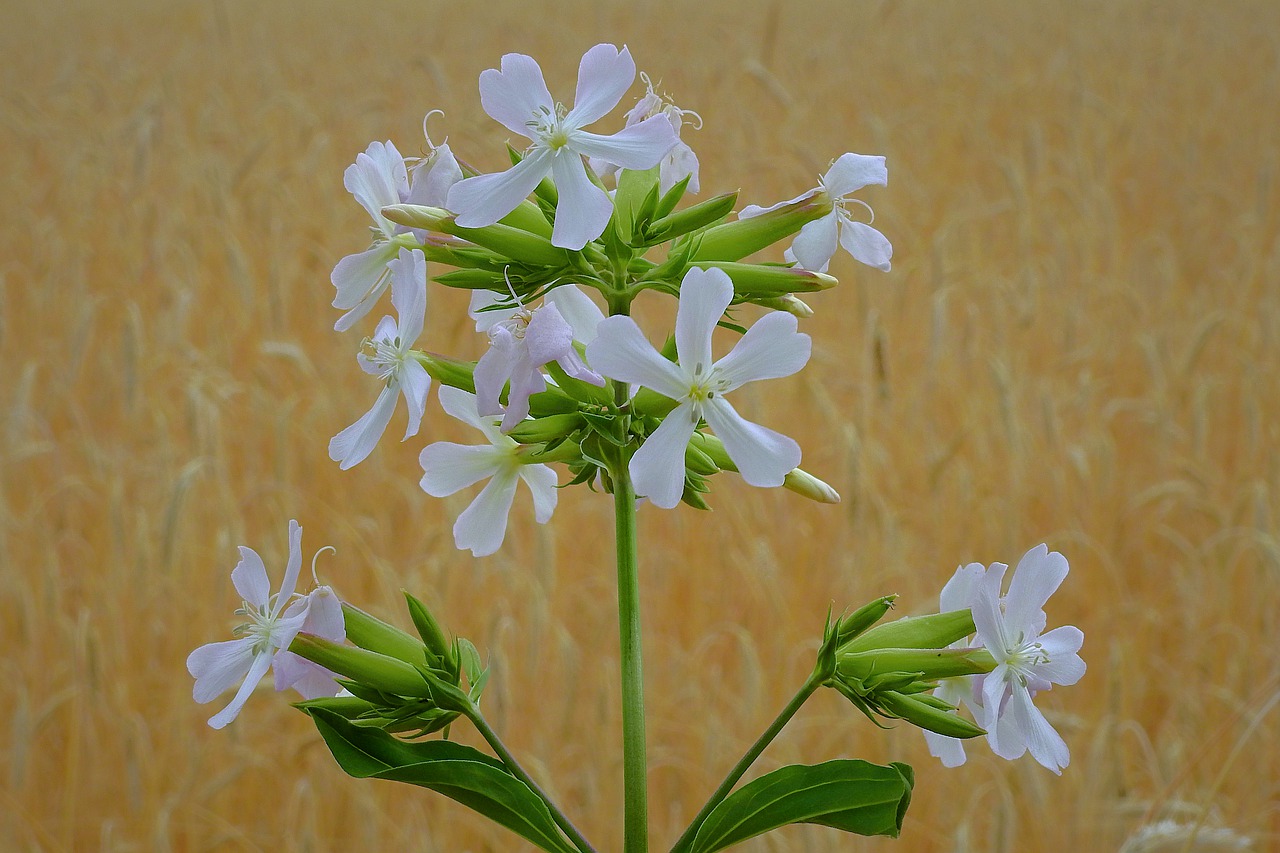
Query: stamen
x: 314, y: 576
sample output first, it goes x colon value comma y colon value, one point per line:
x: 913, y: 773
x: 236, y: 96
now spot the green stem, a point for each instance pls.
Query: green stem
x: 474, y: 715
x: 744, y: 763
x: 635, y: 782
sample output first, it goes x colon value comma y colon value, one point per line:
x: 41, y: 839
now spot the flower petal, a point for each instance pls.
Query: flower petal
x: 640, y: 146
x: 493, y: 370
x: 354, y: 444
x: 657, y: 468
x: 525, y: 382
x: 704, y: 296
x: 755, y: 209
x: 541, y: 480
x: 770, y: 349
x: 866, y: 244
x: 816, y: 242
x: 460, y: 405
x: 515, y: 94
x: 291, y: 570
x: 763, y: 457
x: 949, y: 749
x: 415, y: 384
x: 852, y: 172
x: 249, y: 577
x: 261, y: 663
x: 578, y: 310
x: 324, y: 615
x: 583, y: 209
x: 219, y: 666
x: 449, y: 467
x: 484, y: 199
x: 409, y: 294
x: 1042, y: 740
x: 483, y: 525
x: 311, y: 680
x: 1062, y: 646
x: 487, y: 319
x: 433, y: 177
x: 360, y: 280
x: 604, y: 75
x: 621, y: 351
x: 1039, y: 573
x: 378, y: 178
x: 679, y: 163
x: 958, y: 593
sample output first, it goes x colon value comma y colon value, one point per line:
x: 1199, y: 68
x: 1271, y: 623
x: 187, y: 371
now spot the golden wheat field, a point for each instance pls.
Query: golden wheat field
x: 1079, y: 344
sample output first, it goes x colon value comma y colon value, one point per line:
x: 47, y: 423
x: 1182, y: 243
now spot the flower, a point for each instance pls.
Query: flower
x: 274, y: 620
x: 678, y: 163
x: 517, y: 97
x: 771, y: 348
x: 324, y: 619
x: 378, y: 178
x: 392, y: 361
x: 816, y: 243
x: 449, y: 467
x: 1027, y: 661
x: 521, y: 340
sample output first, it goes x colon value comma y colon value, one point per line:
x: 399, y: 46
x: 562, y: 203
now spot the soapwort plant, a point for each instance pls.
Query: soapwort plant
x: 572, y: 392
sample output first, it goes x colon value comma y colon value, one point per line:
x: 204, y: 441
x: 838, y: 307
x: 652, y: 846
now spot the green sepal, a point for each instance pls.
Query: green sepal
x: 381, y: 672
x: 448, y: 371
x: 431, y: 632
x: 690, y: 219
x: 347, y: 707
x: 769, y: 280
x: 735, y: 240
x: 462, y: 773
x: 926, y: 716
x: 863, y: 618
x: 671, y: 197
x: 694, y: 488
x: 850, y: 795
x: 371, y: 633
x: 698, y: 462
x: 648, y: 402
x: 583, y: 392
x: 471, y: 279
x: 547, y: 428
x: 935, y: 631
x: 635, y: 187
x: 528, y: 217
x: 928, y: 663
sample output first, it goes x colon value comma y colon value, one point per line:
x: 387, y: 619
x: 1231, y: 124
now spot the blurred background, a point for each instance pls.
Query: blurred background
x: 1078, y: 345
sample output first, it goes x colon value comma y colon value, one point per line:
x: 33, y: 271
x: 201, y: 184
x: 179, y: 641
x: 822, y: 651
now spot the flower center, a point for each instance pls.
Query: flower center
x: 261, y: 626
x: 1024, y: 657
x: 517, y: 324
x: 388, y: 355
x: 549, y: 129
x: 704, y: 385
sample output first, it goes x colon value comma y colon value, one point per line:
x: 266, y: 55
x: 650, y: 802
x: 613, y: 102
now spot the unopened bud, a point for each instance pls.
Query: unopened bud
x: 381, y: 672
x: 863, y: 618
x: 735, y: 240
x: 788, y: 302
x: 936, y: 631
x: 924, y: 715
x: 761, y: 280
x: 370, y: 632
x: 926, y: 664
x: 511, y: 242
x: 803, y: 483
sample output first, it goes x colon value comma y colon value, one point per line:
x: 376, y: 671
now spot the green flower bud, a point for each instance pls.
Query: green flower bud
x: 924, y: 715
x: 381, y: 672
x: 788, y: 302
x: 370, y: 632
x: 698, y: 462
x: 926, y: 664
x: 514, y: 243
x: 735, y: 240
x: 797, y: 480
x: 528, y: 217
x: 936, y: 631
x: 431, y: 632
x: 548, y: 428
x: 690, y: 219
x: 803, y: 483
x: 863, y: 618
x: 758, y: 280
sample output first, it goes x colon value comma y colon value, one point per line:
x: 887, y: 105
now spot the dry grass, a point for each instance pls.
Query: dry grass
x: 1079, y: 344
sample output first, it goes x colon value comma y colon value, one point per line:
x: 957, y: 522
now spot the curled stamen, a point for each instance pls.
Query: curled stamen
x: 431, y: 145
x: 316, y: 556
x: 684, y: 113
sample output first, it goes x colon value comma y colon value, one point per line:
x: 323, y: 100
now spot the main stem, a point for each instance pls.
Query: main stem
x: 635, y: 783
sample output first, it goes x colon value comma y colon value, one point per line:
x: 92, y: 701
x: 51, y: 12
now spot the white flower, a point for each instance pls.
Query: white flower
x: 517, y: 97
x: 1027, y: 661
x: 449, y: 467
x: 378, y: 178
x: 771, y: 348
x: 956, y: 595
x: 678, y: 163
x: 392, y: 361
x: 324, y: 619
x: 273, y: 622
x: 521, y: 340
x: 816, y: 243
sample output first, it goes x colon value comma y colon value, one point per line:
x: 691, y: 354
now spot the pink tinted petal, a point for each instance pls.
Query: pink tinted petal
x: 311, y: 680
x: 577, y: 308
x: 640, y: 146
x: 583, y: 209
x: 621, y: 351
x: 573, y: 365
x: 604, y: 75
x: 493, y: 370
x: 1042, y: 741
x: 354, y: 444
x: 324, y: 615
x: 770, y: 349
x: 483, y: 525
x: 816, y: 243
x: 515, y: 94
x: 755, y: 209
x: 449, y: 467
x: 291, y: 569
x: 852, y: 172
x: 219, y: 666
x: 1038, y: 575
x: 657, y: 468
x: 409, y: 293
x: 541, y: 480
x: 764, y: 457
x: 415, y: 384
x: 525, y: 382
x: 249, y: 577
x: 484, y: 199
x: 704, y: 296
x: 261, y: 663
x: 433, y: 178
x: 866, y: 244
x: 958, y: 593
x: 679, y: 162
x: 548, y: 335
x: 949, y: 749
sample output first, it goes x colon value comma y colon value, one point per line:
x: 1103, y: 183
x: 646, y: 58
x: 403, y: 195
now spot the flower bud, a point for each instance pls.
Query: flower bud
x: 863, y: 618
x: 690, y: 219
x: 370, y: 632
x: 735, y: 240
x: 788, y: 302
x: 936, y: 631
x: 431, y: 632
x: 803, y: 483
x: 926, y: 664
x: 381, y: 672
x: 514, y: 243
x: 548, y: 428
x: 759, y: 280
x: 926, y: 716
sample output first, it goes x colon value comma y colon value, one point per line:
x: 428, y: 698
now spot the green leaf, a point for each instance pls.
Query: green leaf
x: 461, y: 773
x: 849, y: 795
